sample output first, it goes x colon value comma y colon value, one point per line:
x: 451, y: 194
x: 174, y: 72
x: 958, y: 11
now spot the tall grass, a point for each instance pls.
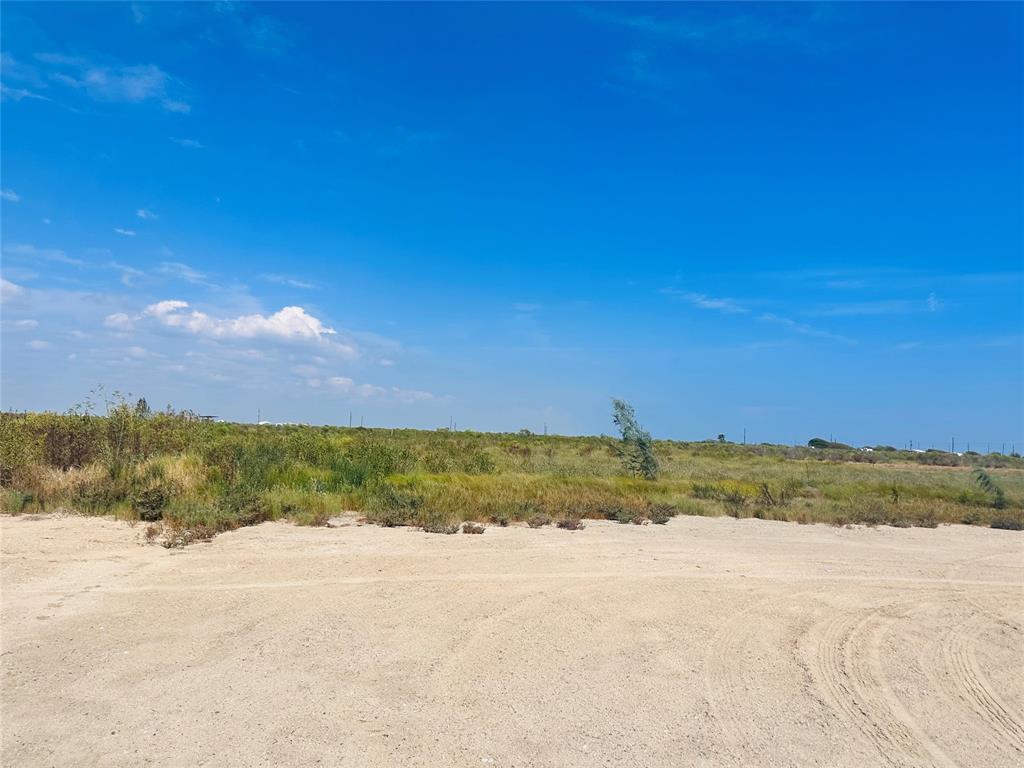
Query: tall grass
x: 200, y: 477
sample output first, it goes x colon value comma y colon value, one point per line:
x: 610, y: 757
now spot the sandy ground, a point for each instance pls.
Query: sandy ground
x: 707, y: 642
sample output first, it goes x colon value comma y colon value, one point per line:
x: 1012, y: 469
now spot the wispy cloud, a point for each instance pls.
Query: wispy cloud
x: 172, y: 105
x: 189, y: 143
x: 346, y: 386
x: 846, y: 284
x: 45, y: 254
x: 731, y: 27
x: 880, y: 307
x: 803, y: 329
x: 128, y: 274
x: 38, y: 345
x: 10, y: 291
x: 17, y: 94
x: 703, y: 301
x: 286, y: 280
x: 107, y: 82
x: 125, y: 232
x: 180, y: 271
x: 10, y: 195
x: 146, y: 214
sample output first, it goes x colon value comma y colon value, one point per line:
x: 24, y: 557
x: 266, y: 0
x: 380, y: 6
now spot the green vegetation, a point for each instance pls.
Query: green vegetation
x: 637, y: 449
x: 191, y: 479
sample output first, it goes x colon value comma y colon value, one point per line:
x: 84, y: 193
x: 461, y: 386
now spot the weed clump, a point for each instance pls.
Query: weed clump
x: 1008, y: 523
x: 660, y: 514
x: 469, y: 527
x: 570, y: 524
x: 539, y: 520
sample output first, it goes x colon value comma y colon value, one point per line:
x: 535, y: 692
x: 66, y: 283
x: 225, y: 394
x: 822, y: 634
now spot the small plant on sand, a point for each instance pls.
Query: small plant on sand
x: 539, y: 520
x: 469, y: 527
x: 662, y: 513
x: 570, y: 524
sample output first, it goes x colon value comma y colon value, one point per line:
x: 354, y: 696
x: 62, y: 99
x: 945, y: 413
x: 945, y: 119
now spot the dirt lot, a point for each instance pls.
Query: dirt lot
x: 707, y: 642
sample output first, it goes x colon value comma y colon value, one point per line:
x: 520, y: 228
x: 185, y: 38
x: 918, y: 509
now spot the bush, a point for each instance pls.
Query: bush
x: 1008, y: 523
x: 469, y: 527
x: 570, y: 524
x: 539, y: 521
x: 149, y: 504
x: 662, y: 513
x: 13, y: 502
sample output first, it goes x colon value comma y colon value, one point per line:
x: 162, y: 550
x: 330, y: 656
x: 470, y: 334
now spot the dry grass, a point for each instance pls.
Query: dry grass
x: 205, y: 478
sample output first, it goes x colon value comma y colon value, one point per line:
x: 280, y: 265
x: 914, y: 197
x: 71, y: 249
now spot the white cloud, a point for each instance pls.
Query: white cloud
x: 27, y: 324
x: 9, y: 290
x: 37, y: 345
x: 125, y: 232
x: 182, y: 271
x: 180, y: 107
x: 132, y: 84
x: 10, y: 195
x: 128, y: 274
x: 527, y: 308
x: 136, y: 352
x: 385, y: 362
x: 17, y: 94
x: 803, y: 329
x: 346, y: 386
x: 703, y: 301
x: 933, y: 303
x: 119, y: 321
x: 146, y: 214
x: 286, y: 280
x: 190, y: 143
x: 47, y: 254
x: 289, y: 324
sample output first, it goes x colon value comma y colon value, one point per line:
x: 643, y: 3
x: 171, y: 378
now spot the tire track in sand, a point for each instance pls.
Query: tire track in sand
x: 966, y: 681
x: 727, y: 685
x: 848, y: 669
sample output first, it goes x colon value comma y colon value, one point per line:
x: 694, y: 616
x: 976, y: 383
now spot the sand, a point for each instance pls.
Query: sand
x: 706, y: 642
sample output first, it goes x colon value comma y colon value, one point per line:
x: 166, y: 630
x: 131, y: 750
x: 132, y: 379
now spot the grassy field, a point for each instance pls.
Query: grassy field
x: 192, y: 479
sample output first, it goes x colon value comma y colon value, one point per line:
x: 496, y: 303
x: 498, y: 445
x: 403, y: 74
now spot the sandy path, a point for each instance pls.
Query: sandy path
x: 706, y: 642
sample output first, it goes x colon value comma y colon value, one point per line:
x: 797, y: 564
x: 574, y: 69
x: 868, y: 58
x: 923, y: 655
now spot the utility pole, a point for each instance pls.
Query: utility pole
x: 744, y: 435
x: 952, y: 445
x: 350, y: 419
x: 545, y: 429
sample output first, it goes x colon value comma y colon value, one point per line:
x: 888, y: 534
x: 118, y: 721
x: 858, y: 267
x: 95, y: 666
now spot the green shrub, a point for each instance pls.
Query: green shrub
x: 149, y: 503
x: 13, y: 502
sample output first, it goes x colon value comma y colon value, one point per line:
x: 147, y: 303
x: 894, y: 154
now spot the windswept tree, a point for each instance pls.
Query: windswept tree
x: 636, y: 449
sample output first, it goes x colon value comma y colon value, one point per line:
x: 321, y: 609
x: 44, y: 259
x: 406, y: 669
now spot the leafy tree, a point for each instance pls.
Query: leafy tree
x: 636, y: 449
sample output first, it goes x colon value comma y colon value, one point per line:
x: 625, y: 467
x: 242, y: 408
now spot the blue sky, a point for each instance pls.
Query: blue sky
x: 798, y: 219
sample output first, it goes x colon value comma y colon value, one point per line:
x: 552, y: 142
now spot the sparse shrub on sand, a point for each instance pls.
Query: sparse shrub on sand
x: 539, y: 521
x: 469, y: 527
x: 570, y: 524
x: 1008, y: 523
